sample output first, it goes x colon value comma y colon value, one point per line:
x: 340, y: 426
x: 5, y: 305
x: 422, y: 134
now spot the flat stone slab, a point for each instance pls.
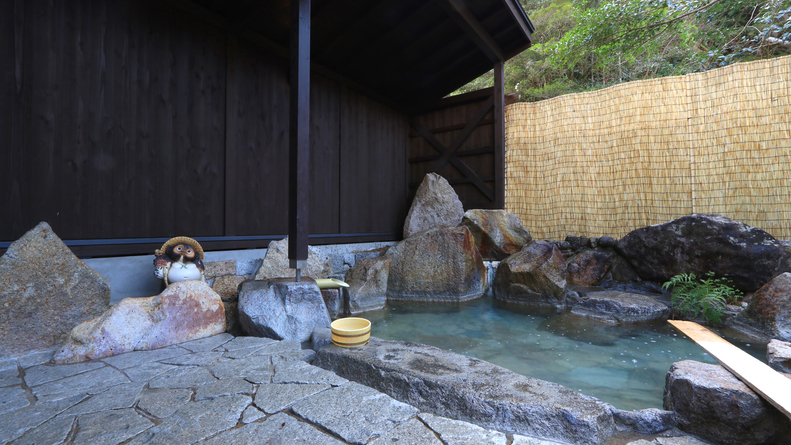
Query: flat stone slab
x: 371, y: 412
x: 472, y: 390
x: 275, y: 430
x: 92, y: 428
x: 620, y: 307
x: 411, y: 431
x: 279, y: 396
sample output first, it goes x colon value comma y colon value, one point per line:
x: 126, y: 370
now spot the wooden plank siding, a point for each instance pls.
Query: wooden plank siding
x: 447, y: 124
x: 133, y: 119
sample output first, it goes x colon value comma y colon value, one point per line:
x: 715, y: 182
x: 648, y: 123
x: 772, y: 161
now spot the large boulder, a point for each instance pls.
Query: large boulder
x: 435, y: 204
x: 440, y: 264
x: 44, y: 292
x: 472, y: 390
x: 184, y: 311
x: 534, y: 276
x: 368, y: 284
x: 498, y: 234
x: 703, y: 243
x: 620, y: 307
x: 277, y: 265
x: 282, y: 308
x: 589, y: 267
x: 713, y: 404
x: 778, y: 355
x: 770, y: 307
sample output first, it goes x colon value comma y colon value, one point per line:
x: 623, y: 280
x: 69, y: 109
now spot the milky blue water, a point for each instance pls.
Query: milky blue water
x: 623, y: 365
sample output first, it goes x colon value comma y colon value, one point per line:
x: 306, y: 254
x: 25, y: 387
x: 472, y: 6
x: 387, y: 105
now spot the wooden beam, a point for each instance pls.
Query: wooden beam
x: 522, y: 21
x: 456, y: 162
x: 468, y: 129
x: 499, y: 134
x: 770, y: 384
x: 448, y: 128
x: 458, y: 11
x: 461, y: 154
x: 299, y: 135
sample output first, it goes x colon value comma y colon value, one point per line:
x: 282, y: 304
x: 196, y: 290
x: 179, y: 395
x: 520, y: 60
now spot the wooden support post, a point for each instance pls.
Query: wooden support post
x: 499, y: 134
x: 299, y: 135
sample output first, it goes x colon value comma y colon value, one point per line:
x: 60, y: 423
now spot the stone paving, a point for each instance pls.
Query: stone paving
x: 217, y: 390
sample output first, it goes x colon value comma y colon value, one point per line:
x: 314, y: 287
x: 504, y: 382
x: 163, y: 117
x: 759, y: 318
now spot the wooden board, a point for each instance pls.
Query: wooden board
x: 770, y: 384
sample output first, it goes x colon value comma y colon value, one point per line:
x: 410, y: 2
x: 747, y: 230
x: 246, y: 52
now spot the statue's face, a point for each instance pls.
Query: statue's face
x: 182, y: 250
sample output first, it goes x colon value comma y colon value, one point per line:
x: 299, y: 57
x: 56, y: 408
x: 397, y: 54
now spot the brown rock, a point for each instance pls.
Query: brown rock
x: 440, y: 264
x: 534, y: 276
x: 778, y: 355
x: 712, y: 404
x: 187, y: 310
x: 498, y: 234
x: 436, y: 204
x: 219, y: 269
x: 276, y: 264
x: 770, y: 307
x: 368, y: 284
x: 228, y: 287
x: 589, y: 267
x: 44, y: 292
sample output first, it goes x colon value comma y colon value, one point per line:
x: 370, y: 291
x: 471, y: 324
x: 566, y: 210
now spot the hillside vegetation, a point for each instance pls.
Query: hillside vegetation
x: 587, y: 45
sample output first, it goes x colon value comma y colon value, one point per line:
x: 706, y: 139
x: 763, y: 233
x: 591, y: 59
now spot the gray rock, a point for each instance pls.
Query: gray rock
x: 197, y: 421
x: 196, y: 359
x: 712, y: 404
x: 253, y: 369
x: 276, y: 397
x: 17, y: 422
x: 138, y: 358
x: 620, y: 307
x: 38, y: 375
x: 183, y: 377
x: 163, y: 402
x: 498, y: 234
x: 368, y: 285
x: 223, y: 388
x: 462, y: 433
x: 534, y: 276
x: 280, y: 429
x: 645, y: 421
x: 472, y: 390
x: 91, y: 382
x: 435, y: 204
x: 301, y: 372
x: 12, y: 398
x: 679, y: 440
x: 702, y: 243
x: 146, y: 372
x: 374, y: 413
x: 208, y: 343
x: 117, y: 397
x: 440, y: 264
x: 53, y: 431
x: 589, y: 267
x: 123, y: 424
x: 412, y: 431
x: 321, y: 337
x: 45, y: 291
x: 778, y: 355
x: 333, y: 300
x: 277, y: 265
x: 36, y: 358
x: 282, y: 309
x: 250, y: 342
x: 770, y: 308
x: 184, y: 311
x: 250, y: 415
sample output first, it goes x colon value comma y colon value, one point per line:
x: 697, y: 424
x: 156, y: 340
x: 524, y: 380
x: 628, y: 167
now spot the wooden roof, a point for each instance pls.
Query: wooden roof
x: 402, y: 52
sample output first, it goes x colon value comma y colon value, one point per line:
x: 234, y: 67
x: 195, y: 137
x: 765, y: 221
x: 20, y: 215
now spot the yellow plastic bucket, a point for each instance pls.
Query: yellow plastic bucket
x: 350, y: 332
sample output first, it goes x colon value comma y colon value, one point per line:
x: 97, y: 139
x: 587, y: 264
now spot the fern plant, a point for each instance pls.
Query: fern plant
x: 705, y: 297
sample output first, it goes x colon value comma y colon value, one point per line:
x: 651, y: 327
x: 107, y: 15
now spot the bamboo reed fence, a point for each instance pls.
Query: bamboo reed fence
x: 610, y: 161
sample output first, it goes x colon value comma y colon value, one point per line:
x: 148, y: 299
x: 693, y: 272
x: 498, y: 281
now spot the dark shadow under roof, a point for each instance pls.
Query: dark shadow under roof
x: 407, y: 52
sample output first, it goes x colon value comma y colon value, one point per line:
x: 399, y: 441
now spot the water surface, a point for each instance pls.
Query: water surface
x: 623, y: 365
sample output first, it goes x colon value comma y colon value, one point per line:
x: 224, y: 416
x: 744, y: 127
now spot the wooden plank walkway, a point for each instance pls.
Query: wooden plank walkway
x: 770, y: 384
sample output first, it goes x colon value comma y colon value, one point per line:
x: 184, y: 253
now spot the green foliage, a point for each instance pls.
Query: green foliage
x: 591, y: 44
x: 705, y: 297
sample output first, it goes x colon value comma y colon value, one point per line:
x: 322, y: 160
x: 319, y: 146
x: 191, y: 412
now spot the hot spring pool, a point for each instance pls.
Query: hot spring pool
x: 622, y: 365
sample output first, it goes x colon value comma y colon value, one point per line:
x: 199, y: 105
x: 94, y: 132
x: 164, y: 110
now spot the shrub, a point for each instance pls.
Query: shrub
x: 705, y: 297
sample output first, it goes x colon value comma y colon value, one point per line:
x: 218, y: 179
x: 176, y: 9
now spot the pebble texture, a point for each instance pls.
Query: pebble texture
x: 436, y: 204
x: 45, y: 291
x: 184, y: 311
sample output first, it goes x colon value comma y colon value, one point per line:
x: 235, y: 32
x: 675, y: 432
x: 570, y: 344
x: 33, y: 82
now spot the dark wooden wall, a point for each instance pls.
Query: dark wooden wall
x: 133, y: 119
x: 446, y: 123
